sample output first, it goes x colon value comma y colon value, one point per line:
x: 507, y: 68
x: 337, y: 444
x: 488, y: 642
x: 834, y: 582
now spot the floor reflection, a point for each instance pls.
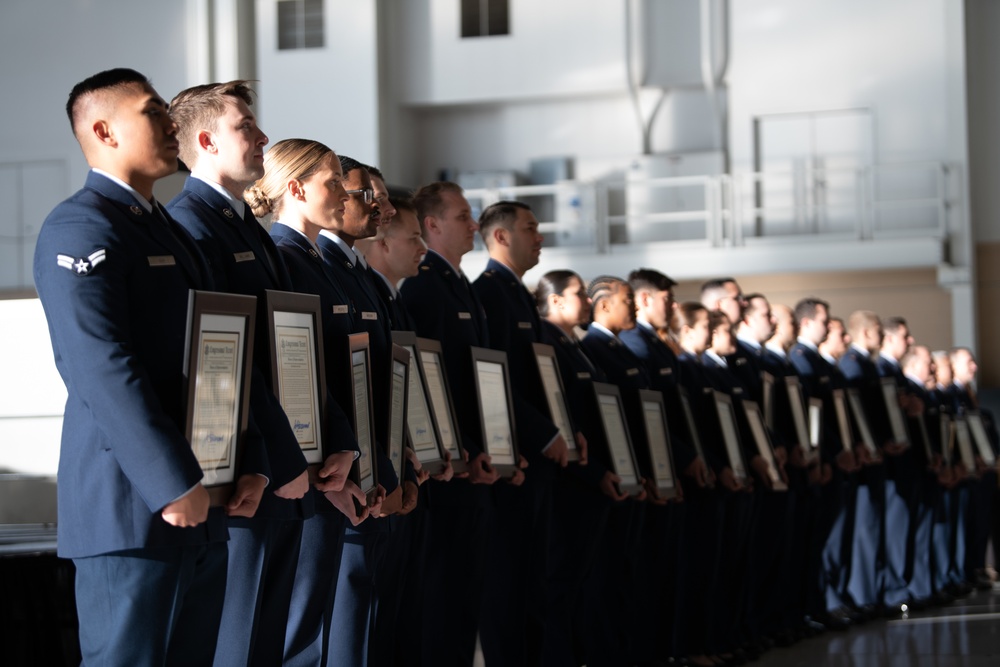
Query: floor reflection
x: 965, y: 633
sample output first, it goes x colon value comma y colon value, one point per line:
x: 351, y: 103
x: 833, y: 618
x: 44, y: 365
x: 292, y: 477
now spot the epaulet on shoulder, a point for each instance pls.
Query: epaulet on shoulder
x: 425, y: 267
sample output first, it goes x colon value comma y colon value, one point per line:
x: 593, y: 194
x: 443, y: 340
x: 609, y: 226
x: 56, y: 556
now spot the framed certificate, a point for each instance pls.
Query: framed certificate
x: 964, y: 442
x: 616, y: 437
x: 890, y: 394
x: 218, y: 354
x: 548, y: 371
x: 843, y: 420
x: 767, y: 398
x: 730, y: 434
x: 496, y: 408
x: 861, y: 422
x: 443, y: 410
x: 980, y: 438
x: 398, y: 388
x: 689, y: 422
x: 295, y: 327
x: 815, y: 423
x: 925, y: 436
x: 755, y: 420
x: 946, y: 430
x: 421, y: 431
x: 358, y: 386
x: 796, y: 405
x: 647, y: 420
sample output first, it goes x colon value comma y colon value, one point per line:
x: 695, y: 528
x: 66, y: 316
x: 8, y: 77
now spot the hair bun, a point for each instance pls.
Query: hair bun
x: 259, y: 202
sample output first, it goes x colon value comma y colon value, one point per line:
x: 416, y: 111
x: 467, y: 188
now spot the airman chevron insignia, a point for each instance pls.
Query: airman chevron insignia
x: 82, y: 265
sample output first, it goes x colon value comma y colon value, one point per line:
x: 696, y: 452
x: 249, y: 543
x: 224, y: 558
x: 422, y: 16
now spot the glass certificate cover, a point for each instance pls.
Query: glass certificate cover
x: 398, y: 408
x: 692, y: 426
x: 362, y: 420
x: 965, y: 444
x: 218, y: 355
x: 495, y: 404
x: 730, y: 434
x: 767, y: 382
x: 947, y: 433
x: 797, y: 408
x: 420, y: 428
x: 861, y: 421
x: 437, y: 389
x: 555, y: 397
x: 843, y: 420
x: 297, y: 373
x: 659, y: 450
x: 756, y: 422
x: 925, y: 437
x: 891, y: 395
x: 979, y: 437
x: 617, y: 438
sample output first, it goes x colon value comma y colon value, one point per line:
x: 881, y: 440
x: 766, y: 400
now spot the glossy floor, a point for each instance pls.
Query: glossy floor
x: 965, y: 633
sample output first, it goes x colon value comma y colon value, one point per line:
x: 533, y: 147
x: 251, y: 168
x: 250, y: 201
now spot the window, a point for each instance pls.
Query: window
x: 300, y: 24
x: 483, y: 18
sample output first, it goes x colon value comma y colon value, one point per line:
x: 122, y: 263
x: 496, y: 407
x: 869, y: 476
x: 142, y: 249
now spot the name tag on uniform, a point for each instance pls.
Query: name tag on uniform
x: 368, y: 315
x: 341, y: 310
x: 583, y: 375
x: 632, y: 371
x: 464, y: 316
x: 247, y: 256
x: 824, y: 380
x: 740, y: 361
x: 524, y: 325
x: 666, y: 371
x: 161, y: 260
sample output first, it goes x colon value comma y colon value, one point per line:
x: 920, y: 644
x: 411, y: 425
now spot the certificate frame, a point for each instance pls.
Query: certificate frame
x: 767, y: 398
x: 890, y: 395
x: 496, y: 408
x: 357, y: 360
x: 435, y: 376
x: 982, y: 441
x: 616, y: 437
x: 302, y: 313
x: 924, y: 433
x: 840, y: 407
x: 861, y: 422
x: 815, y: 423
x: 399, y: 382
x: 555, y: 395
x: 758, y: 430
x: 797, y: 408
x: 228, y: 319
x: 963, y: 440
x: 692, y: 426
x: 422, y: 434
x: 946, y: 431
x: 647, y: 417
x: 730, y: 431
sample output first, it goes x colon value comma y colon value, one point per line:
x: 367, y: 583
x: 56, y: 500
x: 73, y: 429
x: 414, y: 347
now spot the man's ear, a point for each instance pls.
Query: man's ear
x: 499, y: 235
x: 206, y: 142
x: 104, y: 132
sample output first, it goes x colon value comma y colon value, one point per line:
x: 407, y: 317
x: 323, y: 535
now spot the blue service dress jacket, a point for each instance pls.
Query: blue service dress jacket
x: 113, y: 280
x: 243, y: 260
x: 444, y: 307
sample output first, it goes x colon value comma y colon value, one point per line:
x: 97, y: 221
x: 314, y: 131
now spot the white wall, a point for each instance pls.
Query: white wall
x: 329, y: 94
x: 983, y: 25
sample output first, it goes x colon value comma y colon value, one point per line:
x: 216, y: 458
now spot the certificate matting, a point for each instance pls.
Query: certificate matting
x: 421, y: 430
x: 964, y: 442
x: 355, y: 387
x: 616, y: 436
x: 979, y: 437
x: 730, y: 434
x: 756, y: 423
x: 797, y: 408
x: 443, y: 408
x: 217, y: 356
x: 495, y: 407
x: 298, y: 372
x: 843, y: 420
x: 692, y: 426
x: 658, y: 440
x: 890, y: 393
x: 548, y: 370
x: 398, y: 408
x: 861, y: 421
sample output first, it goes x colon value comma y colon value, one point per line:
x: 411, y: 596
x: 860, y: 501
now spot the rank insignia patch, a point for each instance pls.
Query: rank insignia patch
x: 81, y: 265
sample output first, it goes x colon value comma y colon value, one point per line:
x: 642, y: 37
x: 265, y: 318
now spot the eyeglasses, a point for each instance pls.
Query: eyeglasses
x: 367, y: 193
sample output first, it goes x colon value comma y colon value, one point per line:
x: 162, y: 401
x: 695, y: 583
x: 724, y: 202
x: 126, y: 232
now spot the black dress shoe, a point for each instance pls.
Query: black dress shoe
x: 838, y: 620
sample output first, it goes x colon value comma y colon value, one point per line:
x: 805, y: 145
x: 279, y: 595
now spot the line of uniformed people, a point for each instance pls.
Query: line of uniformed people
x: 553, y: 564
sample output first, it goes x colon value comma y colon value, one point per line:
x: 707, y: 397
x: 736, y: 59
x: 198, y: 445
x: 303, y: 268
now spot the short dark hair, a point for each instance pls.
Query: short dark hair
x: 349, y: 164
x: 109, y: 78
x: 685, y: 314
x: 749, y: 308
x: 894, y: 324
x: 375, y: 171
x: 806, y: 308
x: 501, y: 214
x: 602, y: 287
x: 650, y: 279
x: 715, y: 318
x: 716, y: 283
